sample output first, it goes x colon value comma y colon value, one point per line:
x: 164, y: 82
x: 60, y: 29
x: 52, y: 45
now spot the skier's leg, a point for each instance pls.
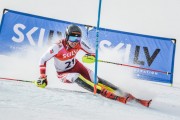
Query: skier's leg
x: 88, y: 85
x: 117, y: 91
x: 84, y: 77
x: 67, y: 77
x: 106, y: 83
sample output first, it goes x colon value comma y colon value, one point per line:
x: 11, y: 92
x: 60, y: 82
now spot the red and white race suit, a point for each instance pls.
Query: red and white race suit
x: 67, y: 66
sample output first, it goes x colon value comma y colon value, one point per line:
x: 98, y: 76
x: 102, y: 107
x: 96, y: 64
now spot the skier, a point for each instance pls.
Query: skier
x: 70, y: 70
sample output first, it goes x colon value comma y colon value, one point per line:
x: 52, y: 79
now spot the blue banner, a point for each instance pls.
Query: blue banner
x: 150, y: 57
x: 19, y: 30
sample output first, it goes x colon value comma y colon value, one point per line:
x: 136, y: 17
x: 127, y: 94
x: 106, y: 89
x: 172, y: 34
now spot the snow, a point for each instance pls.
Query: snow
x: 25, y: 101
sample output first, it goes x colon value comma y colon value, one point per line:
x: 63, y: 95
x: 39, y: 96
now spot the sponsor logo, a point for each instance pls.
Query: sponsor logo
x: 140, y: 55
x: 21, y: 34
x: 70, y: 54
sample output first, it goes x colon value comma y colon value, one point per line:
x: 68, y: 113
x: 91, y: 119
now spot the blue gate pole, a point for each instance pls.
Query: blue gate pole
x: 97, y: 44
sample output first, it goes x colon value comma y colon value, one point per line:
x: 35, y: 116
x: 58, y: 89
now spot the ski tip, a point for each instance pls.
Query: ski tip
x: 149, y: 103
x: 145, y: 103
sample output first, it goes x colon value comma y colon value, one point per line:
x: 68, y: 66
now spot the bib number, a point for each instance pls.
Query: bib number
x: 69, y: 63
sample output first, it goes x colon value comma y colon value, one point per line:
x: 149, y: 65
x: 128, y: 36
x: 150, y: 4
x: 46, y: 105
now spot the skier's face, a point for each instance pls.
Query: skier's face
x: 73, y: 41
x: 73, y: 44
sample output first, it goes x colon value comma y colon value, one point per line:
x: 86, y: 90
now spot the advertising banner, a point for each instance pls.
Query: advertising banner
x: 149, y: 57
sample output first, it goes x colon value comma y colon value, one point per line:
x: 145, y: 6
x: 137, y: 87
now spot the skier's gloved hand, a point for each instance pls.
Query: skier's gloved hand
x: 42, y: 81
x: 88, y: 58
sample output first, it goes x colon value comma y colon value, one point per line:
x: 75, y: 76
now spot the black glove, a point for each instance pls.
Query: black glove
x: 42, y: 81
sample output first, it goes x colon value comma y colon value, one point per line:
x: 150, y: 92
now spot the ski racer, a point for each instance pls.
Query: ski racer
x: 70, y: 70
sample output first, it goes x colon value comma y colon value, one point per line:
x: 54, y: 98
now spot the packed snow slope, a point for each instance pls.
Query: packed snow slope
x: 25, y: 101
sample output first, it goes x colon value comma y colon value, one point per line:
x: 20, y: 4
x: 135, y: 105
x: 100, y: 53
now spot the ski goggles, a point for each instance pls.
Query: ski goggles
x: 74, y: 39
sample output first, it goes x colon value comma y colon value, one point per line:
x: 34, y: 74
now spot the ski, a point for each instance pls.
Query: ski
x: 145, y: 103
x: 122, y: 99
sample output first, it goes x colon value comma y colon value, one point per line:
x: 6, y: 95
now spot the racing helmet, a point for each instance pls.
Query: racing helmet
x: 73, y: 33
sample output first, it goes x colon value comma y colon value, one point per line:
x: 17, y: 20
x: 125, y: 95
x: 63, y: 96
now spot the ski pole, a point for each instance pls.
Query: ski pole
x: 134, y: 67
x: 12, y: 79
